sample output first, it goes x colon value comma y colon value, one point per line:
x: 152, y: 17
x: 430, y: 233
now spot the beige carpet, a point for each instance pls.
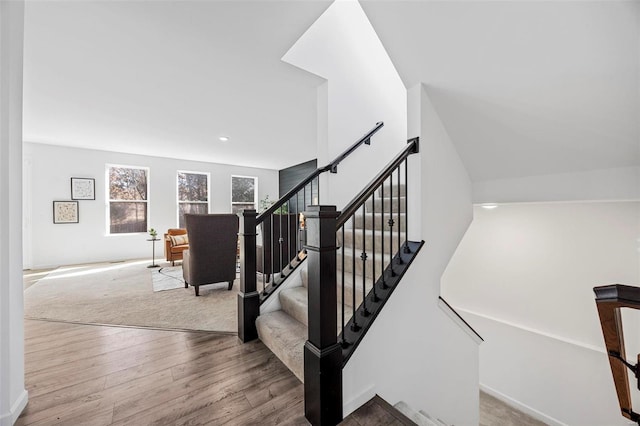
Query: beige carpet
x: 122, y: 294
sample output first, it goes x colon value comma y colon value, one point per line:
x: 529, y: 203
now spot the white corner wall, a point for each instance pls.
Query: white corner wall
x: 47, y: 178
x: 524, y: 276
x: 414, y: 352
x: 363, y: 88
x: 13, y: 396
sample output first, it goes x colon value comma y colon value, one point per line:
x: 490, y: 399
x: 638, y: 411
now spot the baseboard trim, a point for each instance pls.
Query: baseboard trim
x: 8, y: 419
x: 358, y: 401
x: 522, y: 407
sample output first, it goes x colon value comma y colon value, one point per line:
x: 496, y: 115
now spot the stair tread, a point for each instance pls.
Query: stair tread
x: 285, y: 337
x: 294, y: 301
x: 386, y: 204
x: 420, y: 418
x: 367, y: 232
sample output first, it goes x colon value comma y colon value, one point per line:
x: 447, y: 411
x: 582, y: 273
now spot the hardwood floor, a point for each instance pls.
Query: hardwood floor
x: 97, y: 375
x: 494, y: 412
x: 100, y: 375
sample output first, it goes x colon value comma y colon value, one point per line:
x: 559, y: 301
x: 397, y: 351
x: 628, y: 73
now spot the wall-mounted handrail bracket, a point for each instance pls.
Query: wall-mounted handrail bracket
x: 279, y: 260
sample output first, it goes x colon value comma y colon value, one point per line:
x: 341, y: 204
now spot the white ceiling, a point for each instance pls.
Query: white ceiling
x: 167, y: 78
x: 524, y: 88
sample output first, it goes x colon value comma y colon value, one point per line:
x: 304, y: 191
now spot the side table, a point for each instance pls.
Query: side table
x: 153, y: 251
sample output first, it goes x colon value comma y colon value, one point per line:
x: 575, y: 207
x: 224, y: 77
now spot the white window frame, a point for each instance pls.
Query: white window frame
x: 255, y: 191
x: 178, y: 202
x: 109, y: 200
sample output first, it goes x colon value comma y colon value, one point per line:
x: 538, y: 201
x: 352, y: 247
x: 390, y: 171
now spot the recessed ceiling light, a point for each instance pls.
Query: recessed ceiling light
x: 224, y: 138
x: 489, y: 206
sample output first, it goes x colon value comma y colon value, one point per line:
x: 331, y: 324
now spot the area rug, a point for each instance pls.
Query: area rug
x: 167, y: 278
x: 122, y: 294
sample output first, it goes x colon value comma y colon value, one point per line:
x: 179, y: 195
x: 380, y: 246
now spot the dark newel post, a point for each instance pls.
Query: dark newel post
x: 322, y: 353
x: 248, y: 297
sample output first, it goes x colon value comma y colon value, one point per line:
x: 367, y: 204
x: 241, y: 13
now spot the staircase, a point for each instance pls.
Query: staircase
x: 285, y: 331
x: 317, y: 309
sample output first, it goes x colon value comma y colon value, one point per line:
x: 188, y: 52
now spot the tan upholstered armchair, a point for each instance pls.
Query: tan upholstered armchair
x: 173, y: 247
x: 211, y: 257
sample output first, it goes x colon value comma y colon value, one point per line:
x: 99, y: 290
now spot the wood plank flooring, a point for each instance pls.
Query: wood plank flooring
x: 96, y: 375
x: 101, y: 375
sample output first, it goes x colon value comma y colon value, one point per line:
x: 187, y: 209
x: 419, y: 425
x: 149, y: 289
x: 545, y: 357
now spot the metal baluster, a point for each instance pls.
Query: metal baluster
x: 264, y: 264
x: 363, y: 256
x: 406, y: 206
x: 391, y: 222
x: 298, y: 245
x: 354, y: 325
x: 384, y: 278
x: 373, y: 236
x: 400, y: 262
x: 280, y: 243
x: 344, y: 340
x: 273, y: 255
x: 304, y: 207
x: 289, y: 233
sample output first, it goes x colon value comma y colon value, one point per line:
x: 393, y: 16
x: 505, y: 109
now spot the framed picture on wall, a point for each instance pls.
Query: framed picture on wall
x: 83, y: 188
x: 65, y: 212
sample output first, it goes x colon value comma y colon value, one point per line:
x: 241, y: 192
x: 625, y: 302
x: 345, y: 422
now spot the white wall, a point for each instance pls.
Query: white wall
x: 13, y: 396
x: 60, y: 244
x: 414, y: 352
x: 363, y: 88
x: 523, y: 275
x: 605, y: 184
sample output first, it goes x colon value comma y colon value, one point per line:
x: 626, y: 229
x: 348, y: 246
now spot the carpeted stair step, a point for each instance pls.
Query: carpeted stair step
x: 436, y: 421
x: 387, y: 193
x: 285, y: 337
x: 367, y: 236
x: 419, y: 418
x: 390, y: 205
x: 294, y: 302
x: 359, y: 268
x: 379, y: 220
x: 348, y: 289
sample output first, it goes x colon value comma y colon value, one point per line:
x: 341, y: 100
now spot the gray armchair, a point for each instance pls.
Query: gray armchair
x: 211, y: 257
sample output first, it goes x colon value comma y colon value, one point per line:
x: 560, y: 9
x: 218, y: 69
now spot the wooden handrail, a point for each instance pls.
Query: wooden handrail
x: 609, y: 300
x: 411, y: 148
x: 331, y: 167
x: 460, y: 318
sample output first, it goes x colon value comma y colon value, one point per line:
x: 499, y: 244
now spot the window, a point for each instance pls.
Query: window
x: 244, y: 193
x: 127, y: 199
x: 193, y: 194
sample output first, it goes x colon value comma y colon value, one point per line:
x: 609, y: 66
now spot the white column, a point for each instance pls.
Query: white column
x: 13, y: 396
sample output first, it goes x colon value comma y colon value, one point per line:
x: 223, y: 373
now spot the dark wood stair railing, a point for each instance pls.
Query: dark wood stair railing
x: 610, y: 299
x: 326, y: 354
x: 384, y: 255
x: 281, y: 252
